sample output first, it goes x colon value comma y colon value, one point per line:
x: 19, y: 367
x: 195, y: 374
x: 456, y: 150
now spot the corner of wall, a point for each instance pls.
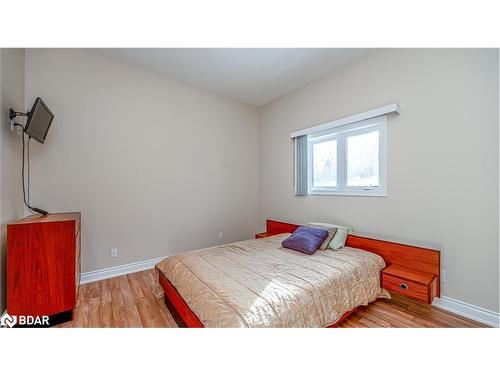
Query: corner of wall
x: 12, y: 90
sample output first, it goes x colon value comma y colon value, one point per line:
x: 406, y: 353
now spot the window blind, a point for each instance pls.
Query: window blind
x: 301, y: 165
x: 375, y: 112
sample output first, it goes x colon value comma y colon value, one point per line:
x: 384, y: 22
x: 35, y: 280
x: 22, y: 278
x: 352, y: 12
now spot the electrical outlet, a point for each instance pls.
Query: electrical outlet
x: 221, y: 235
x: 443, y: 276
x: 114, y: 253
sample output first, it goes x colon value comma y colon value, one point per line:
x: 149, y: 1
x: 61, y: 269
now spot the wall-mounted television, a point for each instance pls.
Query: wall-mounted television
x: 39, y: 119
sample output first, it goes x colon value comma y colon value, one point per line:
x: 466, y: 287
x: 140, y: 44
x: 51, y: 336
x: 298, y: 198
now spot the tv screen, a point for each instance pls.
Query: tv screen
x: 39, y: 119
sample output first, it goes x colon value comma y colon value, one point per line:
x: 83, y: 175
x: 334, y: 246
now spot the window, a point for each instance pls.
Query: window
x: 348, y: 160
x: 346, y: 156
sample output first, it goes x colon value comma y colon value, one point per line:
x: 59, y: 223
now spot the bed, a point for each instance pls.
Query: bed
x: 258, y: 283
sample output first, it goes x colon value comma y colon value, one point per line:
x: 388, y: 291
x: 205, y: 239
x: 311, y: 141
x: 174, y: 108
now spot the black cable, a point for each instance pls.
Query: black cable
x: 29, y: 139
x: 22, y: 171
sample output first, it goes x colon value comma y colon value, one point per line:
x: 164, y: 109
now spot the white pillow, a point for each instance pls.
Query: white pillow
x: 338, y: 240
x: 331, y: 232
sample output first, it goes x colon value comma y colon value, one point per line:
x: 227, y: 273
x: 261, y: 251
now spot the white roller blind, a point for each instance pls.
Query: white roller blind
x: 375, y: 112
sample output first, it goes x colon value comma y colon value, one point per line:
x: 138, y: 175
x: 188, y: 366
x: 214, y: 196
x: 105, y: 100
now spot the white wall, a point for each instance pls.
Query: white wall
x: 11, y: 95
x: 154, y: 165
x: 442, y: 158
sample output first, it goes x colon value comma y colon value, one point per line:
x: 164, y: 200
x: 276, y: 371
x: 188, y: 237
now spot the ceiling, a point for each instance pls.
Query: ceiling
x: 252, y: 75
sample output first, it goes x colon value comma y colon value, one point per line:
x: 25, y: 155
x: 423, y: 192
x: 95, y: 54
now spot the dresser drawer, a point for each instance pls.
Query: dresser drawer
x: 406, y: 287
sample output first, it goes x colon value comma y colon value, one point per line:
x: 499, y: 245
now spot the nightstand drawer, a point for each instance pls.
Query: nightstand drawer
x: 406, y: 287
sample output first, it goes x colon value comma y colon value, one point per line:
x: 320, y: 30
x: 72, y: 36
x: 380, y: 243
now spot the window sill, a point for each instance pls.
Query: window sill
x: 350, y: 193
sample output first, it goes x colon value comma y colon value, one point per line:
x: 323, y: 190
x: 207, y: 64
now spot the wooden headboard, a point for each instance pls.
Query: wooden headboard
x: 412, y: 257
x: 277, y: 227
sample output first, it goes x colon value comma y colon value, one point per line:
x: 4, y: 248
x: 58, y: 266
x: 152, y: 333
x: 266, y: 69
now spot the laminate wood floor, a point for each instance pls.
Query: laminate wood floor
x: 128, y: 301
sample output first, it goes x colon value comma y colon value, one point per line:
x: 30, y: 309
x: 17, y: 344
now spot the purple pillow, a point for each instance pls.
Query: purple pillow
x: 305, y: 239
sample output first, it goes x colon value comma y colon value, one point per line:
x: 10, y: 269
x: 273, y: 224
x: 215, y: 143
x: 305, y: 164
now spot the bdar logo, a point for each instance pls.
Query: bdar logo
x: 7, y: 321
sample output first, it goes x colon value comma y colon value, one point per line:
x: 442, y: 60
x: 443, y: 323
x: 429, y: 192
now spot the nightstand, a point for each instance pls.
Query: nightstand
x: 411, y: 283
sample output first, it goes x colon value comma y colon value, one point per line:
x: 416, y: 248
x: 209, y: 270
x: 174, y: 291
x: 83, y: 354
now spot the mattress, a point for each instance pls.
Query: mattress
x: 258, y: 283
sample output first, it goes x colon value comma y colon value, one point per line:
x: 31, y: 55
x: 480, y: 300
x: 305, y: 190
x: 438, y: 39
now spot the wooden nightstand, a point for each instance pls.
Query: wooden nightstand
x: 411, y: 283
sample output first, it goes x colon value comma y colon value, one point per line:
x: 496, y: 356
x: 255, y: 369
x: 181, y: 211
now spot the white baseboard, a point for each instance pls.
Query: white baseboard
x: 107, y: 273
x: 467, y: 310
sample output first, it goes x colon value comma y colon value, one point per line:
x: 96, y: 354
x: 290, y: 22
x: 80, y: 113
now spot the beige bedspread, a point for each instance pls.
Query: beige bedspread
x: 257, y: 283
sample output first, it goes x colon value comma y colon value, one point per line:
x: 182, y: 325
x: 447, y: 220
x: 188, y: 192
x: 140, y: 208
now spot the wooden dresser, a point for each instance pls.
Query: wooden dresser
x: 43, y: 265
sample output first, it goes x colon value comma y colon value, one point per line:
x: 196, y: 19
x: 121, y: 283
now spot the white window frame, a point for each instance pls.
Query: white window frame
x: 340, y: 134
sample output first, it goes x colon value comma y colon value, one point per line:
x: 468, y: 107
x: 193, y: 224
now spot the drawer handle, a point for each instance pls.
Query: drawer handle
x: 403, y: 286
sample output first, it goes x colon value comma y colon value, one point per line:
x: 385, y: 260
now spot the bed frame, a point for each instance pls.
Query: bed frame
x: 415, y: 258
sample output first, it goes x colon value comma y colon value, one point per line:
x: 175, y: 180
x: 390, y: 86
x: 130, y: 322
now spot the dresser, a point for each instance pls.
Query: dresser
x: 43, y: 265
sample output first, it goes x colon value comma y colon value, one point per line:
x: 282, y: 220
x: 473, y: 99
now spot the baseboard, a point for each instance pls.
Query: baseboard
x: 467, y: 310
x: 107, y: 273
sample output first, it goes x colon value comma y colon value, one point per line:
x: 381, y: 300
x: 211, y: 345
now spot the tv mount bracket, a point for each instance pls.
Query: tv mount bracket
x: 12, y: 115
